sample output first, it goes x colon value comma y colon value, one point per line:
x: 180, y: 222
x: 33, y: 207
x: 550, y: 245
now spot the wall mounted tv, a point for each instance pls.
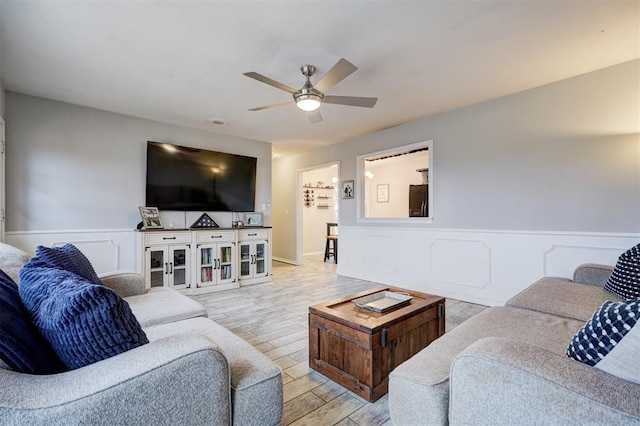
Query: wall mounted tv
x: 191, y: 179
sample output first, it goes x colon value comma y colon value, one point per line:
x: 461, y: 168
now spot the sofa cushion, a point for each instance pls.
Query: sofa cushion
x: 256, y: 381
x: 162, y: 305
x: 610, y: 340
x: 625, y: 278
x: 423, y: 380
x: 562, y: 297
x: 22, y: 348
x: 83, y: 322
x: 592, y: 273
x: 11, y: 260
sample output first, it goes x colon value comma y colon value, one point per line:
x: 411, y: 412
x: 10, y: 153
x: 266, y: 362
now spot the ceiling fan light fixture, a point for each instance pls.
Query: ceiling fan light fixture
x: 308, y: 102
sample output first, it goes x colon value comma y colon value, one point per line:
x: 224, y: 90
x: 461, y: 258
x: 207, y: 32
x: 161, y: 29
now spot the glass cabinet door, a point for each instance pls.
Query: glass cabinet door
x: 216, y: 264
x: 206, y: 265
x: 225, y: 263
x: 253, y: 259
x: 157, y: 267
x: 260, y: 258
x: 179, y: 266
x: 245, y: 260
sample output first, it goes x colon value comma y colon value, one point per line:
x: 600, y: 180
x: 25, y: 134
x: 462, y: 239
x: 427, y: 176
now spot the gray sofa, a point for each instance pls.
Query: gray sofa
x: 507, y: 365
x: 193, y: 371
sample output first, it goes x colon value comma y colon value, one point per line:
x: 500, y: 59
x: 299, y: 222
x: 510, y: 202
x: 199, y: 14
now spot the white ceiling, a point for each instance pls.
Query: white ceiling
x: 182, y: 62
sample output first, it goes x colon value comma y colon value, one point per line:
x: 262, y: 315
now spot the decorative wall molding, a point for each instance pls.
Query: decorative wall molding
x: 562, y: 254
x: 480, y: 266
x: 487, y: 267
x: 107, y: 249
x: 99, y: 250
x: 461, y: 262
x: 374, y: 258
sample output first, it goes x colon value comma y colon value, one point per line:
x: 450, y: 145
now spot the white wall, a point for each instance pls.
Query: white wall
x: 82, y: 170
x: 2, y: 108
x: 562, y: 159
x: 1, y: 67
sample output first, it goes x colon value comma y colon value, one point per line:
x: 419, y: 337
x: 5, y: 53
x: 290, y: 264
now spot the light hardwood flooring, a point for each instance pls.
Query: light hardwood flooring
x: 273, y: 318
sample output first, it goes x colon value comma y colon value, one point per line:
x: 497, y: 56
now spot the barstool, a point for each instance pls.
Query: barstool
x: 331, y: 245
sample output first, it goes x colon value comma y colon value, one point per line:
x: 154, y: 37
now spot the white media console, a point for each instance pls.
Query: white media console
x: 203, y: 260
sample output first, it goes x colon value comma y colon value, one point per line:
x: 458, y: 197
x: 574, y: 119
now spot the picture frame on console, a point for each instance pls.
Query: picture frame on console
x: 254, y: 219
x: 151, y: 217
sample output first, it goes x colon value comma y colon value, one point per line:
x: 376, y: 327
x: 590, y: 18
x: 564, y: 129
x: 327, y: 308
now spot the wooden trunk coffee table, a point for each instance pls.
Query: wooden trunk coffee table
x: 358, y: 348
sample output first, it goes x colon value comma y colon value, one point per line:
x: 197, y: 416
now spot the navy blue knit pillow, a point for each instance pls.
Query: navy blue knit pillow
x: 625, y: 278
x: 604, y: 331
x: 83, y: 322
x: 68, y: 258
x: 22, y: 348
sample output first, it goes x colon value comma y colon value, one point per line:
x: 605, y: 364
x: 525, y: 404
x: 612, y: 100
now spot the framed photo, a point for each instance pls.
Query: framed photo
x: 383, y: 193
x: 151, y: 217
x: 253, y: 219
x: 347, y: 189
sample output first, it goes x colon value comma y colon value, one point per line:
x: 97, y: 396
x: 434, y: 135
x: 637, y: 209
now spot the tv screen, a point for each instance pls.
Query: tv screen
x: 191, y: 179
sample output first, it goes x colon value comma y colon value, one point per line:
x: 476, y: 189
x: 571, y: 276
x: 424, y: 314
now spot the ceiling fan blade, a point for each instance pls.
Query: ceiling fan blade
x: 350, y: 100
x: 270, y: 82
x: 272, y: 105
x: 341, y: 70
x: 315, y: 116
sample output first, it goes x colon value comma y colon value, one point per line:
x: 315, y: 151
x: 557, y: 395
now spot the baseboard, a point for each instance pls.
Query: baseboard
x: 284, y: 260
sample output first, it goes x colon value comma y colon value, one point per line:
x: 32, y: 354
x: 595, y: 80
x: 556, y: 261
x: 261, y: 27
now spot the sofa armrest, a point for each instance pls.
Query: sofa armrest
x: 504, y: 381
x: 124, y: 283
x: 592, y: 273
x: 177, y: 380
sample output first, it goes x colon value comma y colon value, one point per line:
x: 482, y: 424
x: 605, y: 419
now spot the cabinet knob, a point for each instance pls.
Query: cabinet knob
x: 168, y: 238
x: 216, y: 236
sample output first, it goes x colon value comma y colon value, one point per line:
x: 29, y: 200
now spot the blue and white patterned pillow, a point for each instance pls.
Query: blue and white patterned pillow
x: 625, y: 278
x: 610, y: 340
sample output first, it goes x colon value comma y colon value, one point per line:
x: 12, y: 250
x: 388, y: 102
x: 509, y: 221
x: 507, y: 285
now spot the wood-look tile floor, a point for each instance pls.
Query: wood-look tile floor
x: 273, y: 318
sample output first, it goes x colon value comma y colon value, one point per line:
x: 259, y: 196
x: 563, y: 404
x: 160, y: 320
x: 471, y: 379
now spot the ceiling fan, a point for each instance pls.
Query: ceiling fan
x: 310, y: 97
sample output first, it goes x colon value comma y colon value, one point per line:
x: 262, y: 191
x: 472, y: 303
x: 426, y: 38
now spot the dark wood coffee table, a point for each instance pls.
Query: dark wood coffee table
x: 358, y: 348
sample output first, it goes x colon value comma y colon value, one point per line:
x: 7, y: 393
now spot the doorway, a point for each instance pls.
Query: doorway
x: 318, y: 205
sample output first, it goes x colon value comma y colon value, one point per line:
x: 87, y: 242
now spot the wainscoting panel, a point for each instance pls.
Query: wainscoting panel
x: 379, y: 253
x: 487, y: 267
x: 104, y: 252
x: 108, y: 250
x: 461, y: 262
x: 558, y: 257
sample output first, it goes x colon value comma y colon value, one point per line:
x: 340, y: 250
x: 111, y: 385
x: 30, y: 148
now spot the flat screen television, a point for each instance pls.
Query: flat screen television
x: 192, y: 179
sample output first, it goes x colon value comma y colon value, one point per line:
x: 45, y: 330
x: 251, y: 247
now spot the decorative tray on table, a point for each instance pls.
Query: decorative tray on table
x: 382, y: 301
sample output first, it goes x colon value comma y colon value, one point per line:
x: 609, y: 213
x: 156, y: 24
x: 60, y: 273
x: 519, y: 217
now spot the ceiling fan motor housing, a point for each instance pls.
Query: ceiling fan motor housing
x: 308, y: 70
x: 308, y: 92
